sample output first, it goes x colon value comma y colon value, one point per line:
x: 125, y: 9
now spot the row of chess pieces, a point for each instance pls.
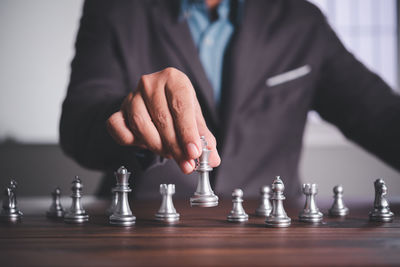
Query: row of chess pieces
x: 271, y: 204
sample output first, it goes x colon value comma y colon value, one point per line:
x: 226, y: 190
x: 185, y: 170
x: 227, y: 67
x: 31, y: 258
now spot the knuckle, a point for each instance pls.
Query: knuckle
x: 138, y: 120
x: 162, y: 119
x: 145, y: 81
x: 178, y: 105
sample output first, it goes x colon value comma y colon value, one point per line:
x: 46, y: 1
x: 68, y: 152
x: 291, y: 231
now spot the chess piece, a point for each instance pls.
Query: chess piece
x: 277, y: 217
x: 114, y: 202
x: 310, y: 213
x: 56, y: 210
x: 122, y: 214
x: 10, y: 211
x: 381, y: 211
x: 265, y: 207
x: 204, y: 195
x: 237, y: 213
x: 76, y: 213
x: 167, y: 211
x: 338, y: 207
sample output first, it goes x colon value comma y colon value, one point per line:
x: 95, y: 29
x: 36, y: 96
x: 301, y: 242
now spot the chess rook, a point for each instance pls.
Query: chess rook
x: 338, y: 207
x: 167, y: 211
x: 122, y: 214
x: 381, y: 211
x: 114, y: 202
x: 10, y: 211
x: 278, y: 216
x: 237, y: 213
x: 76, y: 213
x: 204, y: 195
x: 310, y: 213
x: 265, y: 207
x: 56, y: 210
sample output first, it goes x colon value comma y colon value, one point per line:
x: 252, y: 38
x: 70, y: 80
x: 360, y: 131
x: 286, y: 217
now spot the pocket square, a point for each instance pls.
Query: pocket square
x: 288, y: 76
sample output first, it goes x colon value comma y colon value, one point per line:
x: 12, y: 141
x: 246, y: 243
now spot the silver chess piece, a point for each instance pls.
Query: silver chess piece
x: 381, y: 211
x: 76, y: 213
x: 338, y: 207
x: 56, y: 210
x: 237, y: 213
x: 278, y: 216
x: 114, y: 202
x: 310, y: 213
x: 122, y: 214
x: 10, y: 211
x: 204, y: 195
x: 265, y: 207
x: 167, y: 211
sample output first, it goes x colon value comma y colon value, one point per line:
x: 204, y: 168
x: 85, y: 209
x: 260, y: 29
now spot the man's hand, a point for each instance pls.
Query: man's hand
x: 164, y: 116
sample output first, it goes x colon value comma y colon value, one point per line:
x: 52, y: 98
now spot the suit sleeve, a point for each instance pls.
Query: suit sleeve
x: 96, y: 90
x: 357, y: 101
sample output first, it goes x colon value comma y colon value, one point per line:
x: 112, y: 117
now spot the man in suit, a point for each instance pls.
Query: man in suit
x: 150, y: 77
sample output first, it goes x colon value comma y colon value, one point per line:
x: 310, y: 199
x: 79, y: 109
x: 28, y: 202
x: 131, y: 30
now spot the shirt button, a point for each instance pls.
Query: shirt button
x: 208, y: 41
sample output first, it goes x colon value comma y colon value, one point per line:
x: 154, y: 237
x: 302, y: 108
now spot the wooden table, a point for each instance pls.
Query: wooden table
x: 203, y: 237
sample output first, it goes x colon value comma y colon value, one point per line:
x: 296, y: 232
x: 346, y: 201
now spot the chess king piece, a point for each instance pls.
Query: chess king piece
x: 338, y: 207
x: 167, y: 211
x: 114, y: 202
x: 122, y: 214
x: 277, y: 217
x: 310, y: 213
x: 381, y: 211
x: 265, y: 207
x: 56, y: 210
x: 237, y: 213
x: 10, y: 211
x: 204, y: 195
x: 76, y: 213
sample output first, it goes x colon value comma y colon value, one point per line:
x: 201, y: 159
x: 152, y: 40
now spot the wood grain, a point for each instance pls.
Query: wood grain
x: 203, y: 237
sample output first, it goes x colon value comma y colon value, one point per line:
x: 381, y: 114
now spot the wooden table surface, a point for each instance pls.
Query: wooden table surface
x: 203, y: 237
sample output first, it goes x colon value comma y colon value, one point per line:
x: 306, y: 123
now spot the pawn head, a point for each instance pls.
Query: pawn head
x: 338, y: 189
x: 237, y: 193
x: 264, y: 190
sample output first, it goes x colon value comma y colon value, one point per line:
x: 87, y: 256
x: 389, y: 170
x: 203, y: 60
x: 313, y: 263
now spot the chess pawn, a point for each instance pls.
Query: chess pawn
x: 265, y: 207
x: 10, y: 211
x: 381, y: 211
x: 310, y: 212
x: 114, y: 202
x: 338, y: 207
x: 278, y: 216
x: 237, y: 213
x: 204, y: 195
x: 56, y: 210
x: 167, y: 211
x: 76, y: 213
x: 122, y: 214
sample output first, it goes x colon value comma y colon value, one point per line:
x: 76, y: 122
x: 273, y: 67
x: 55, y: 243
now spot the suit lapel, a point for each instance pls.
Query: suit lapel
x: 178, y: 35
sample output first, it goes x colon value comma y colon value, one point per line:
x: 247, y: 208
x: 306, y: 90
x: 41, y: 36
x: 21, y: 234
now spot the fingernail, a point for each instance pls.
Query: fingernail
x: 187, y: 167
x: 192, y: 151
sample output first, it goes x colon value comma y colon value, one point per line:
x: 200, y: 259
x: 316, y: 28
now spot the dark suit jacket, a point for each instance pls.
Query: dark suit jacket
x: 259, y: 125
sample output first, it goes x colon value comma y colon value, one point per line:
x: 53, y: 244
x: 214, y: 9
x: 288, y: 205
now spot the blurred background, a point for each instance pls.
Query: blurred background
x: 37, y: 45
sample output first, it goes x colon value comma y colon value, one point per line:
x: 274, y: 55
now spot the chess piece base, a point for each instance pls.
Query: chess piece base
x: 167, y: 217
x: 339, y: 213
x: 76, y: 218
x: 278, y: 222
x: 124, y: 220
x: 311, y: 217
x: 381, y: 217
x: 204, y: 201
x: 237, y: 218
x: 55, y: 214
x: 263, y: 212
x: 11, y: 216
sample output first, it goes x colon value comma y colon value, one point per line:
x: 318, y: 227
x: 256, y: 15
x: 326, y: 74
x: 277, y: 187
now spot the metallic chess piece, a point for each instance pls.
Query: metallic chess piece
x: 167, y: 211
x: 10, y: 211
x: 204, y: 195
x: 338, y: 207
x: 76, y: 213
x: 265, y: 207
x: 56, y: 210
x: 114, y: 202
x: 310, y: 213
x: 381, y: 211
x: 277, y: 217
x: 237, y: 213
x: 122, y: 214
